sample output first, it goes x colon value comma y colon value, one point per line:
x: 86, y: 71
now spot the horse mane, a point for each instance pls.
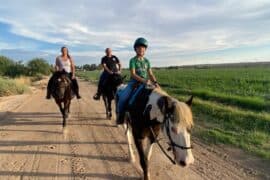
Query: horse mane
x: 182, y: 112
x: 160, y: 92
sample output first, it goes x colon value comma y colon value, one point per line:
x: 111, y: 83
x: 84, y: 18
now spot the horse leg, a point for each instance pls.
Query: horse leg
x: 67, y: 105
x: 60, y: 107
x: 130, y: 143
x: 65, y: 113
x: 148, y: 151
x: 143, y: 159
x: 105, y: 103
x: 110, y: 108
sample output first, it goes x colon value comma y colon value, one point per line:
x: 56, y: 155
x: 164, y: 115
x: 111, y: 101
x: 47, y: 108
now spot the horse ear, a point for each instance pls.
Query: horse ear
x: 189, y: 102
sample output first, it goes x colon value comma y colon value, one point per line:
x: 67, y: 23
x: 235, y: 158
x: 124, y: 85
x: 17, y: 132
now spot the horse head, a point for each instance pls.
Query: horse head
x: 116, y: 80
x: 62, y: 84
x: 177, y: 121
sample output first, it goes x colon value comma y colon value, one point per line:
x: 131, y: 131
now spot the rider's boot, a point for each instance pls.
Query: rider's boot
x: 78, y: 96
x: 77, y: 93
x: 96, y: 96
x: 75, y: 88
x: 48, y: 96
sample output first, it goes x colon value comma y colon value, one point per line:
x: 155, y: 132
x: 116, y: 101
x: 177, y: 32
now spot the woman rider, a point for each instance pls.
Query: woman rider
x: 140, y: 72
x: 64, y: 62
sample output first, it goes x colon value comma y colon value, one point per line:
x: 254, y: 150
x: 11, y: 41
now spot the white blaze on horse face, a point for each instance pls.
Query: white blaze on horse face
x: 182, y: 137
x: 155, y: 112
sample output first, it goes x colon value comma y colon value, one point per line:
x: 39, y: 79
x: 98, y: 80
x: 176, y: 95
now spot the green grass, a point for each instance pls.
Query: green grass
x: 231, y: 105
x: 11, y: 87
x: 92, y: 76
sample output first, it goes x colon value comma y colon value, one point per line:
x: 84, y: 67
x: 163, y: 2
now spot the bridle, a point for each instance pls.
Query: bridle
x: 167, y: 118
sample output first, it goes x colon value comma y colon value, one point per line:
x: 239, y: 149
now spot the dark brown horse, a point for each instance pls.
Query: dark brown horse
x: 62, y: 93
x: 152, y: 112
x: 109, y: 90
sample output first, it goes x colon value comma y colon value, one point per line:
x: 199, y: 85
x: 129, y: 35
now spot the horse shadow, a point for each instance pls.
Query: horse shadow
x: 40, y: 118
x: 16, y: 122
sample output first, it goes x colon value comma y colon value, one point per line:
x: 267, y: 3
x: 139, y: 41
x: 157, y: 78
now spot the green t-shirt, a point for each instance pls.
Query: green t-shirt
x: 140, y: 66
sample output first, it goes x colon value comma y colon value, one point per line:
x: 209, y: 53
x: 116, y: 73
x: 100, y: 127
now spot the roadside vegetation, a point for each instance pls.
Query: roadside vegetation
x: 16, y: 77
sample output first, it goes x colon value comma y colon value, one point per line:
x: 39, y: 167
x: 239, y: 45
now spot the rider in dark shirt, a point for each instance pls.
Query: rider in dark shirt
x: 111, y: 65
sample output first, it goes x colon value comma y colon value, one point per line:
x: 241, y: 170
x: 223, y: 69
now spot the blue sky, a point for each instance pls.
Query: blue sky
x: 179, y: 32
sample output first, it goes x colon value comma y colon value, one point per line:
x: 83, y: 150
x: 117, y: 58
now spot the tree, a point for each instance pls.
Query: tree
x: 5, y: 63
x: 16, y: 70
x: 89, y: 67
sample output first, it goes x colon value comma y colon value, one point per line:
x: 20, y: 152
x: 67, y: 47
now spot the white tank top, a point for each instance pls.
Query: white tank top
x: 64, y: 64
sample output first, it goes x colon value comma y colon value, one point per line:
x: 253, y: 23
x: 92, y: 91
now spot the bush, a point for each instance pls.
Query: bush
x: 38, y: 66
x: 4, y: 64
x: 11, y: 87
x: 16, y: 70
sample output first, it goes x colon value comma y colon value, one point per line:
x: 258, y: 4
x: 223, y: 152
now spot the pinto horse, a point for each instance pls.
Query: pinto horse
x: 109, y: 90
x: 62, y: 93
x: 152, y: 112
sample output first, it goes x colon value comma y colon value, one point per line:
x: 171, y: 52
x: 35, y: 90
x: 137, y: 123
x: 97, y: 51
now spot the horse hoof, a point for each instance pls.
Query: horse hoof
x: 109, y: 116
x: 132, y: 160
x: 147, y: 177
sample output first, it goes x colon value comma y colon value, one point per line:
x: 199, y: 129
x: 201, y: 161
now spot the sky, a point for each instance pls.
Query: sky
x: 179, y: 32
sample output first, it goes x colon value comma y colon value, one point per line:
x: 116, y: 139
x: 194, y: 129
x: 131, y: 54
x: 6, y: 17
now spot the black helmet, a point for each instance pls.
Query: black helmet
x: 140, y: 42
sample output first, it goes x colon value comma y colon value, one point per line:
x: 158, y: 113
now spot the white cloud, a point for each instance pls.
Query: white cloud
x: 173, y: 27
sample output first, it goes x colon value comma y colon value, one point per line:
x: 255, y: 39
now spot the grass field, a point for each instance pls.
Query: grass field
x: 14, y: 86
x: 231, y: 105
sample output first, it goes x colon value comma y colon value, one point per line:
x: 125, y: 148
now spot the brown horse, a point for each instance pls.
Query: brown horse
x: 152, y: 112
x: 62, y: 93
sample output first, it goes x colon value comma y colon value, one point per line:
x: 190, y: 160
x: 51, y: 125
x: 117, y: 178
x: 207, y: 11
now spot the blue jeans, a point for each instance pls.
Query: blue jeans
x: 127, y: 95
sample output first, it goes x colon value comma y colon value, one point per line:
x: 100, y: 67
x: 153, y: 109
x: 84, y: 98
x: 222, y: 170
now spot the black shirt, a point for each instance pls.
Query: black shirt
x: 111, y: 62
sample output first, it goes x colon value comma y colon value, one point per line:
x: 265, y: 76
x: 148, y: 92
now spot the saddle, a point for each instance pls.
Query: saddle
x: 138, y: 101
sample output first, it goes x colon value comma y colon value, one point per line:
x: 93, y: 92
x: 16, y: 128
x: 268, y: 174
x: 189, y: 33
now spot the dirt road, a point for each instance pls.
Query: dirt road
x: 34, y: 146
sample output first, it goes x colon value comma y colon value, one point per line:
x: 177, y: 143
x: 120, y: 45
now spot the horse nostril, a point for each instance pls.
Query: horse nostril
x: 183, y: 163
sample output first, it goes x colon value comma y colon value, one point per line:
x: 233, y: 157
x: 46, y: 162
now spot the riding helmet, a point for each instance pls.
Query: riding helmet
x: 140, y: 42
